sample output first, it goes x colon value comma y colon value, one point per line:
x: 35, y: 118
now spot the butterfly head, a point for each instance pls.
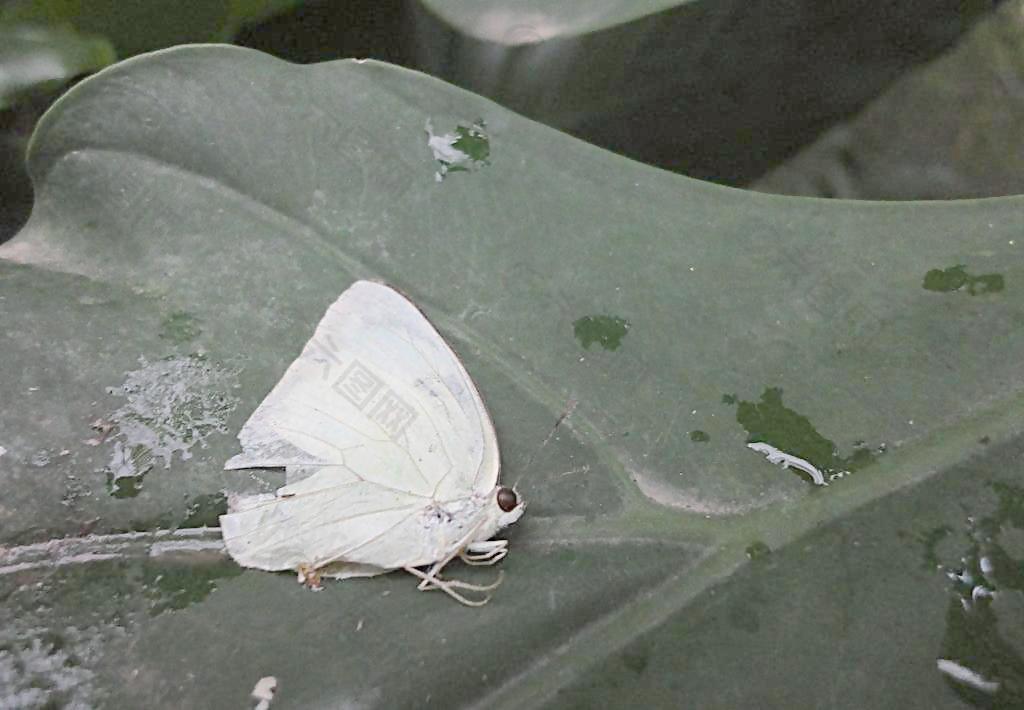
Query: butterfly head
x: 510, y: 505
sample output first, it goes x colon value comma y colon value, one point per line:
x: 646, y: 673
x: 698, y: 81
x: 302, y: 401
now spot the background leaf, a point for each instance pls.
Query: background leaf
x: 970, y: 146
x: 46, y: 44
x: 38, y: 57
x: 721, y: 91
x: 139, y: 26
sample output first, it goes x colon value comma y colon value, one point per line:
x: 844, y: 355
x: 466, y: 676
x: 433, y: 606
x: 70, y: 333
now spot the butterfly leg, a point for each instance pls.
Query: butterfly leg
x: 434, y: 575
x: 432, y: 579
x: 435, y: 581
x: 486, y: 547
x: 449, y: 586
x: 457, y: 584
x: 484, y: 553
x: 436, y: 568
x: 309, y: 578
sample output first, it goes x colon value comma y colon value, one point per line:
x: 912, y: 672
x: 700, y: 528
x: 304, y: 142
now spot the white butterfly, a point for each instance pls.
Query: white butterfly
x: 390, y: 455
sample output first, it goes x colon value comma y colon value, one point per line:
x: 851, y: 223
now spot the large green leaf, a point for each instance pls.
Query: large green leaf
x: 197, y: 210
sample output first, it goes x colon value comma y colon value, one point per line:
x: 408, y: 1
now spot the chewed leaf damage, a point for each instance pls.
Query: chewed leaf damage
x: 468, y: 148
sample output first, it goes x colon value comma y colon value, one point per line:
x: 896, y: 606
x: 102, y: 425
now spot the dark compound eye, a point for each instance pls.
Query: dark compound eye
x: 507, y: 500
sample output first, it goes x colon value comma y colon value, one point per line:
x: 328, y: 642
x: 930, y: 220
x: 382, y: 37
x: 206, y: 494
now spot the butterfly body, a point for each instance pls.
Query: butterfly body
x: 285, y: 531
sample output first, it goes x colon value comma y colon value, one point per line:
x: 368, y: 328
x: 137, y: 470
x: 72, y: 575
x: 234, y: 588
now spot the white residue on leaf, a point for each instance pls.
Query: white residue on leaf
x: 789, y: 461
x: 2, y: 451
x: 35, y: 673
x: 690, y: 499
x: 128, y: 461
x: 964, y: 577
x: 263, y: 692
x: 966, y: 676
x: 979, y: 591
x: 172, y: 405
x: 443, y: 148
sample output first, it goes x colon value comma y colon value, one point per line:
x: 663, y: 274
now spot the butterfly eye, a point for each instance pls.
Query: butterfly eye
x: 507, y: 500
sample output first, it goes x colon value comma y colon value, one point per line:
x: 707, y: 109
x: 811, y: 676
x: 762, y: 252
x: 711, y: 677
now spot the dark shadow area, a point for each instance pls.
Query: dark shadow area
x: 322, y: 30
x: 16, y: 125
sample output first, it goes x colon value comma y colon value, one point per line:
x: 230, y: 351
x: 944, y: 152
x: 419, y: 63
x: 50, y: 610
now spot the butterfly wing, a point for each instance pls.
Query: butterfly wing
x: 331, y: 518
x: 383, y: 412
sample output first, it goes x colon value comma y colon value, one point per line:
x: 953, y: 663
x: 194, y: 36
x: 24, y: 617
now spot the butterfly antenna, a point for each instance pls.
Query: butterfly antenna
x: 570, y: 407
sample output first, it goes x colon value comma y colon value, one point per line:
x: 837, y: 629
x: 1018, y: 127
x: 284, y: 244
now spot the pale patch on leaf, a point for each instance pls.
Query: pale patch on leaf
x: 778, y: 457
x: 172, y: 405
x: 263, y: 692
x: 962, y: 674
